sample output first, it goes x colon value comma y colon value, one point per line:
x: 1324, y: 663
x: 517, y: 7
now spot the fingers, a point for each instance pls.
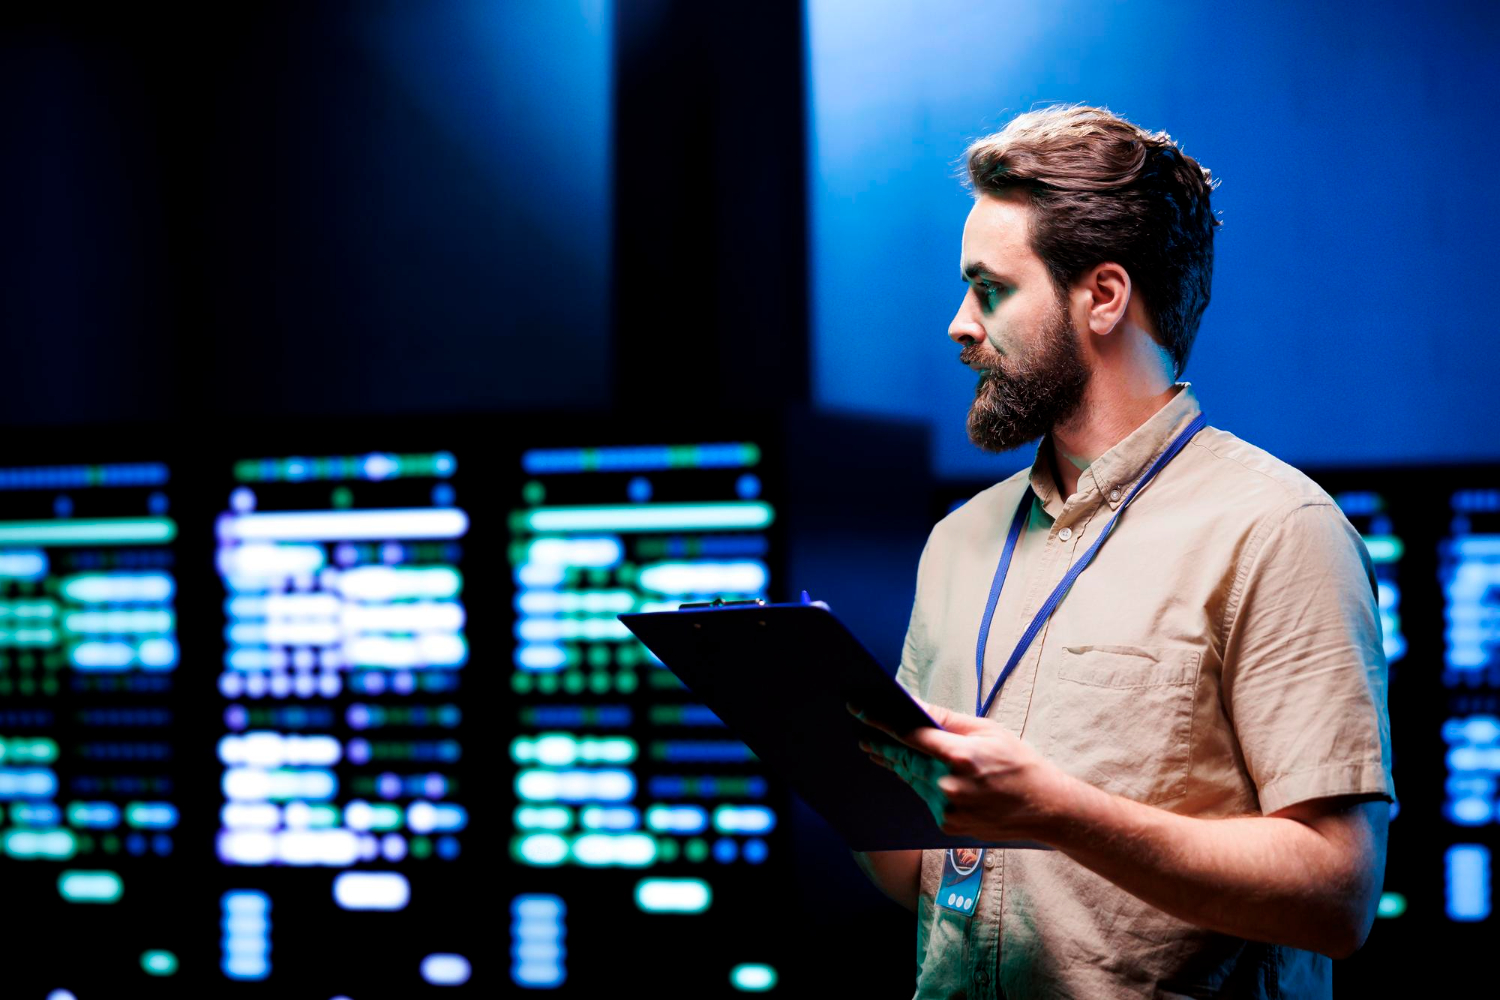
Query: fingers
x: 960, y: 723
x: 859, y: 713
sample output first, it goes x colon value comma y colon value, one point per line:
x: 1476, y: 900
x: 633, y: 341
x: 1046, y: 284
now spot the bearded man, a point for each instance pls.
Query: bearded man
x: 1156, y: 651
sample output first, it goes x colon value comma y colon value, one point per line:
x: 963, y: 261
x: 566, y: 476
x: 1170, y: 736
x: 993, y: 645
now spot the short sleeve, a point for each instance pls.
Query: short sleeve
x: 1305, y: 673
x: 917, y: 650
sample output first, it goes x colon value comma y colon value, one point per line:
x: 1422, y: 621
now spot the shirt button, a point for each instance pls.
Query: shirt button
x: 989, y: 858
x: 1114, y: 496
x: 1065, y: 534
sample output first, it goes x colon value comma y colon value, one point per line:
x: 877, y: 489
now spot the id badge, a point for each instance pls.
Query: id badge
x: 962, y: 873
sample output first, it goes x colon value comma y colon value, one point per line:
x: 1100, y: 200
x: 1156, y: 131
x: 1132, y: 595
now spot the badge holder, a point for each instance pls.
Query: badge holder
x: 962, y: 874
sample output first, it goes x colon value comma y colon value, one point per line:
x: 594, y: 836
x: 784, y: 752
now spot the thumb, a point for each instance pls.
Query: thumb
x: 955, y: 722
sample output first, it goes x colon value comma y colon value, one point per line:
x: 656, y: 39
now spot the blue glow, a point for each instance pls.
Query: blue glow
x: 445, y: 969
x: 27, y: 783
x: 344, y: 525
x: 1476, y: 501
x: 94, y: 815
x: 744, y: 819
x: 1468, y: 882
x: 723, y: 516
x: 152, y: 815
x: 673, y: 786
x: 1473, y: 769
x: 895, y: 92
x: 23, y: 564
x: 246, y: 942
x: 62, y: 477
x: 371, y: 890
x: 677, y: 819
x: 610, y: 818
x: 640, y: 458
x: 541, y: 656
x: 38, y: 814
x: 700, y: 715
x: 1356, y: 504
x: 104, y: 588
x: 1469, y: 570
x: 572, y: 716
x: 537, y: 933
x: 685, y: 750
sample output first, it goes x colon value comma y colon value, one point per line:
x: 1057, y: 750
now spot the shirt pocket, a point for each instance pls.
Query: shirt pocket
x: 1121, y: 719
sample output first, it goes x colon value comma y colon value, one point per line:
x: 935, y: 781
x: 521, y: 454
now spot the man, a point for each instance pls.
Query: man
x: 1194, y: 723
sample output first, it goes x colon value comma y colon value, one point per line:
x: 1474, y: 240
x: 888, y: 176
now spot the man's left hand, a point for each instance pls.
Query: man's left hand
x: 977, y: 778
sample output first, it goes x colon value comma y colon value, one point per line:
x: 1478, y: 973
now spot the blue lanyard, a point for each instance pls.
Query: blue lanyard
x: 1050, y: 605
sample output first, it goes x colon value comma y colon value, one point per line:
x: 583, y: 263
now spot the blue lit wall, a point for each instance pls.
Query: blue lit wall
x: 1346, y: 326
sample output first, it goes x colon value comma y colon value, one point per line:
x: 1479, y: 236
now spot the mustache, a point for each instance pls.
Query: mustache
x: 976, y: 353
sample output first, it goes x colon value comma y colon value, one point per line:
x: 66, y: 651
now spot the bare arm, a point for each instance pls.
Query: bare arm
x: 1308, y: 875
x: 898, y: 874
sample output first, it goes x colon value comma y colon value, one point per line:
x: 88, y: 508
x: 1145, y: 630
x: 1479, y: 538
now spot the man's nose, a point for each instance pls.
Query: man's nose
x: 965, y: 328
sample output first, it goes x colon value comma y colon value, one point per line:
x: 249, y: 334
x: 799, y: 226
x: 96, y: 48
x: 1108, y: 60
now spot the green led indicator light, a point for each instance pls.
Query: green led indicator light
x: 1392, y: 904
x: 727, y: 516
x: 90, y: 886
x: 534, y: 493
x: 94, y: 531
x: 158, y: 962
x: 753, y: 978
x: 1384, y: 548
x: 673, y: 895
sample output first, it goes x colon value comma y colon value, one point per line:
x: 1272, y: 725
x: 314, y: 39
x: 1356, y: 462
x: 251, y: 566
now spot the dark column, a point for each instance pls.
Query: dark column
x: 710, y: 297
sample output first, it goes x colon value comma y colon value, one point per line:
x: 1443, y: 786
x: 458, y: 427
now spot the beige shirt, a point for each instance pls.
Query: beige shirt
x: 1221, y: 656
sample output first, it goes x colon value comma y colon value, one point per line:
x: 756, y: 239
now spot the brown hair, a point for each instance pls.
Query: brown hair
x: 1105, y: 189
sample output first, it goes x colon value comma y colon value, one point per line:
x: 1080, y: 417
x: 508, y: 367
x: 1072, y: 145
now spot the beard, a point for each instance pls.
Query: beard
x: 1020, y: 399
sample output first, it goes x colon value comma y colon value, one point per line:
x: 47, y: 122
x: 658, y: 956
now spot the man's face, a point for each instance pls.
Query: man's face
x: 1015, y: 329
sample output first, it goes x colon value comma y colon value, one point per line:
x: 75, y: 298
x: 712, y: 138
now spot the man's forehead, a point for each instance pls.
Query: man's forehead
x: 995, y: 235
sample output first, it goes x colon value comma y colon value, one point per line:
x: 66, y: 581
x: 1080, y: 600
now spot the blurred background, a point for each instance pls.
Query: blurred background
x: 367, y: 358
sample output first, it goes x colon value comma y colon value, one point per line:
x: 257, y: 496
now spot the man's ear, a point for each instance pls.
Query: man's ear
x: 1107, y: 288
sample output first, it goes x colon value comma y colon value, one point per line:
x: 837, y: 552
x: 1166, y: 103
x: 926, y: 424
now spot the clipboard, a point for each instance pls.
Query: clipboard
x: 779, y: 675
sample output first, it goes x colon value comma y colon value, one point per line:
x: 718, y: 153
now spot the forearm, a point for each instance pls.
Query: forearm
x: 898, y: 874
x: 1263, y: 878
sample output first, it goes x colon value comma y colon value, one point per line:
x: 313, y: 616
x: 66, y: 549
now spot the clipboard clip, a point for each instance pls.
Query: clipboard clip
x: 718, y: 602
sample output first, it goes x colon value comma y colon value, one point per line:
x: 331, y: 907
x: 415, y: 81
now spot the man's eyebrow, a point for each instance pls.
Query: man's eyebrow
x: 979, y: 267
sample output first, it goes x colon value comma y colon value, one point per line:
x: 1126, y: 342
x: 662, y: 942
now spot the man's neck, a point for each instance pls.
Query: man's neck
x: 1106, y: 418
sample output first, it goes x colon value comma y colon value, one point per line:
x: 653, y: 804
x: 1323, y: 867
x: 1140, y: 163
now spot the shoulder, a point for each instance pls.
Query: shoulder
x: 1286, y: 525
x: 1250, y: 487
x: 976, y: 520
x: 1244, y: 467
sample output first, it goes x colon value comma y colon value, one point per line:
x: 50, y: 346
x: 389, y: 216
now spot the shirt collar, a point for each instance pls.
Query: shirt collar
x: 1111, y: 476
